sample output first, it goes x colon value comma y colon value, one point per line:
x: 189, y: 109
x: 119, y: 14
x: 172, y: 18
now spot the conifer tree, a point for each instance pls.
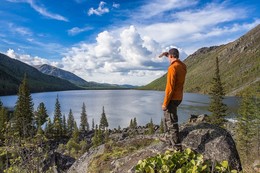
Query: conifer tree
x: 93, y: 124
x: 103, y: 120
x: 246, y: 127
x: 23, y: 113
x: 162, y: 126
x: 49, y: 128
x: 151, y: 128
x: 95, y: 137
x: 135, y: 123
x: 57, y: 119
x: 41, y: 115
x: 131, y: 126
x: 84, y: 126
x: 70, y: 123
x: 217, y: 107
x: 64, y: 125
x: 100, y: 136
x: 75, y: 134
x: 3, y: 122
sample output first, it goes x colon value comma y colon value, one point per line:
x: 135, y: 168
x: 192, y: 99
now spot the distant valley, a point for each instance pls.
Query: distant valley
x: 43, y: 78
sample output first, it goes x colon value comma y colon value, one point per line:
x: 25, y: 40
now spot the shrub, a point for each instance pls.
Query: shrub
x: 180, y: 162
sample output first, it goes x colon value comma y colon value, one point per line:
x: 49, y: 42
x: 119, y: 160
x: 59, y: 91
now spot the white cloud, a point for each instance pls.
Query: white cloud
x: 77, y: 30
x: 46, y: 13
x: 27, y: 58
x: 117, y: 57
x: 192, y: 27
x: 41, y: 10
x: 20, y: 30
x: 115, y: 5
x: 158, y: 7
x: 100, y: 10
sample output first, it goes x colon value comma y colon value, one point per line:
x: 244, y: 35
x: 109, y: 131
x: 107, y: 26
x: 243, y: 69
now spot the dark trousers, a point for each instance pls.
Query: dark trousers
x: 171, y: 122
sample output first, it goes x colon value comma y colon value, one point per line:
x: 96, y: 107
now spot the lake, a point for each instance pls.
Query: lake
x: 121, y: 105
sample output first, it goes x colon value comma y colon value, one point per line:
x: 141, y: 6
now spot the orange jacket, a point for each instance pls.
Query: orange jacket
x: 175, y: 81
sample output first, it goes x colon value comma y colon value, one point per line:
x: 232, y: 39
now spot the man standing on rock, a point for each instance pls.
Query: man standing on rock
x: 173, y: 97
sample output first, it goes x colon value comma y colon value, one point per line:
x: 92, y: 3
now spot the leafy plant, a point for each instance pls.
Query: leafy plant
x: 180, y: 162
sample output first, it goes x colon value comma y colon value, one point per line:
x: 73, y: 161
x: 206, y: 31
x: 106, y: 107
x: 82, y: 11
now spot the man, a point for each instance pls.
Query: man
x: 173, y: 97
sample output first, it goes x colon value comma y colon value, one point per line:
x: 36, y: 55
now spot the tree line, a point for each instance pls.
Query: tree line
x: 25, y: 134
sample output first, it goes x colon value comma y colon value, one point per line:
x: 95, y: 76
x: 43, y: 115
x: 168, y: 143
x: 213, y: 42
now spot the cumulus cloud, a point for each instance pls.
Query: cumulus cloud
x: 124, y: 57
x: 100, y: 10
x: 28, y: 59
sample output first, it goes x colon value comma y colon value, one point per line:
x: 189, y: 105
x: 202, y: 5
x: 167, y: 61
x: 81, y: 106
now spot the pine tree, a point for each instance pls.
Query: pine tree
x: 64, y: 125
x: 135, y: 123
x: 100, y: 136
x: 103, y: 120
x: 93, y: 124
x: 84, y: 126
x: 162, y: 126
x: 23, y: 113
x: 49, y: 128
x: 95, y: 137
x: 151, y: 128
x: 41, y: 115
x: 246, y: 127
x: 70, y: 123
x: 131, y: 124
x: 217, y: 107
x: 3, y: 122
x: 57, y: 119
x: 75, y: 134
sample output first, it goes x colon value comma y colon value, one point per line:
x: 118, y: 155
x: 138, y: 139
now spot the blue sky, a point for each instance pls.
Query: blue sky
x: 118, y: 41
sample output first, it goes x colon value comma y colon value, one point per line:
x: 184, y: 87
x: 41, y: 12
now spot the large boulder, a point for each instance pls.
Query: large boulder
x: 215, y: 143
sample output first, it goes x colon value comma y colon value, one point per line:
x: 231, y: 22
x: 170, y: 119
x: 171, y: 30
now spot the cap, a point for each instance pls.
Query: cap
x: 172, y: 51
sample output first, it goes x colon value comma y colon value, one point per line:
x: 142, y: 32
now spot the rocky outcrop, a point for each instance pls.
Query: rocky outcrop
x: 215, y: 143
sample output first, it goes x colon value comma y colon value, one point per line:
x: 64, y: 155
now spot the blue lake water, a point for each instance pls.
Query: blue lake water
x: 121, y: 105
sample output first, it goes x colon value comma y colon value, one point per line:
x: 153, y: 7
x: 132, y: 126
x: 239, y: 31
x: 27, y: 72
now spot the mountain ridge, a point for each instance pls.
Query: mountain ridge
x: 13, y: 71
x: 63, y: 74
x: 54, y: 71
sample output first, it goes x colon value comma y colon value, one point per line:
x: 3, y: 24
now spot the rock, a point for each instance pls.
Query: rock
x: 198, y: 118
x: 81, y: 165
x: 58, y: 162
x: 215, y: 143
x: 256, y: 165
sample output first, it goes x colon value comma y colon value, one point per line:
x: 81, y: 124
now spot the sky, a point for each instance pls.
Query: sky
x: 118, y: 41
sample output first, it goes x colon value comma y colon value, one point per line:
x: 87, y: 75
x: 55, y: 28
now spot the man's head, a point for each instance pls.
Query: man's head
x: 173, y: 53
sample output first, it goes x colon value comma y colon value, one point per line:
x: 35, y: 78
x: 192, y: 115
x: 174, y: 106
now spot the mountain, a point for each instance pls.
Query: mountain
x: 239, y: 63
x: 54, y: 71
x: 12, y: 73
